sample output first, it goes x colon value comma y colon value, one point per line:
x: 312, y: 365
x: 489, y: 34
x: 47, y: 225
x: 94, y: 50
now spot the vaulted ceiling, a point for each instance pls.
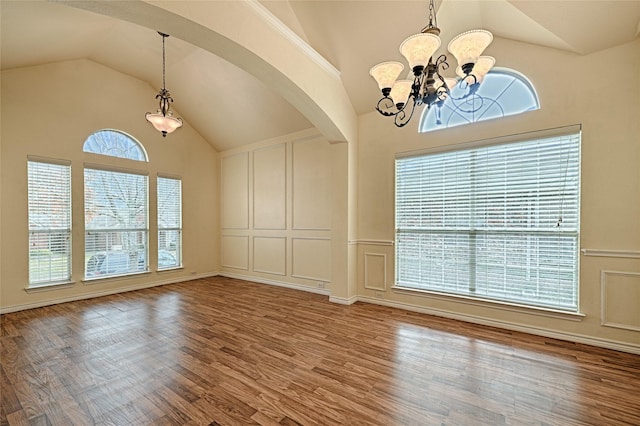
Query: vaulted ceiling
x: 220, y: 99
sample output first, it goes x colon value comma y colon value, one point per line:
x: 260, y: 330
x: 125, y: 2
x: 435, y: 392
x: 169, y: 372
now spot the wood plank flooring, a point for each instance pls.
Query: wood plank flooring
x: 220, y: 351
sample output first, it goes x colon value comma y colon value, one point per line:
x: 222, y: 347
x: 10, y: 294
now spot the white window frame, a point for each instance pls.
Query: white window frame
x: 175, y: 225
x: 98, y: 267
x: 58, y: 196
x: 455, y: 235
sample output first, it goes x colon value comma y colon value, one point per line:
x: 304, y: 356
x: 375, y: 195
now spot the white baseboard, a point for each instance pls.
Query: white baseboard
x: 324, y: 291
x: 343, y: 301
x: 571, y: 337
x: 16, y: 308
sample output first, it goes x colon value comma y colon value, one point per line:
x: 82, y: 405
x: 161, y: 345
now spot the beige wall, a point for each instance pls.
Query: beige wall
x: 601, y: 91
x: 283, y: 211
x: 49, y: 111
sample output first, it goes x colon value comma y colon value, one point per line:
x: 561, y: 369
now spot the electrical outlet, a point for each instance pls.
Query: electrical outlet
x: 193, y: 272
x: 379, y: 294
x: 320, y: 284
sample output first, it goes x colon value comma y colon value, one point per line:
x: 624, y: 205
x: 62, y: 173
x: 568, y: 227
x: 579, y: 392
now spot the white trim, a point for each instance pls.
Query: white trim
x: 603, y: 300
x: 568, y: 130
x: 48, y: 160
x: 323, y: 291
x: 116, y: 169
x: 16, y: 308
x: 293, y: 38
x: 538, y: 331
x: 493, y: 304
x: 284, y: 242
x: 226, y: 265
x: 293, y: 262
x: 343, y: 300
x: 630, y: 254
x: 50, y: 287
x: 372, y: 242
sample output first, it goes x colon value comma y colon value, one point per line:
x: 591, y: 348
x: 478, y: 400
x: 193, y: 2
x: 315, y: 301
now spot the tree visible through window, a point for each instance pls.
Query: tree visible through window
x: 116, y: 209
x: 499, y: 222
x: 115, y: 144
x: 503, y: 92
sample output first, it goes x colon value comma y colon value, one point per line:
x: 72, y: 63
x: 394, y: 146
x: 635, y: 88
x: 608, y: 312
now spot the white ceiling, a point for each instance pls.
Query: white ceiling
x: 217, y: 98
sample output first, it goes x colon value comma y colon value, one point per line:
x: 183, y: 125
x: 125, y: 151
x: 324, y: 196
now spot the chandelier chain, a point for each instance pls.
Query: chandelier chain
x: 433, y: 19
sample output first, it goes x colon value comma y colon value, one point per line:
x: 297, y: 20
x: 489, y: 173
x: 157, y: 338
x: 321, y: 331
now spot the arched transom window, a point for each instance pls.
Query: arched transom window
x: 115, y: 143
x: 503, y: 92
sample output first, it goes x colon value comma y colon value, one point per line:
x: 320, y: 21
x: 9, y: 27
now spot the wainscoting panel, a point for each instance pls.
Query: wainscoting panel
x: 620, y: 299
x: 375, y: 271
x: 269, y: 188
x: 311, y: 185
x: 269, y: 255
x: 235, y: 191
x: 235, y: 251
x: 311, y: 258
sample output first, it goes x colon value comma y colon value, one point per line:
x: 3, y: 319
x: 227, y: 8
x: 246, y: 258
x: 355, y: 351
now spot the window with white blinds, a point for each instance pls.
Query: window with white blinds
x: 169, y: 223
x: 499, y: 222
x: 116, y: 223
x: 49, y: 194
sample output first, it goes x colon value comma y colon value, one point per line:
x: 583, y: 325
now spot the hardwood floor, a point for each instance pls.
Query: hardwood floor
x: 223, y: 352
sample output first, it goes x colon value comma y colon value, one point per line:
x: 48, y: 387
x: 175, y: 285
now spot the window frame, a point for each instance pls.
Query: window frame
x: 66, y: 231
x: 177, y: 229
x: 523, y: 138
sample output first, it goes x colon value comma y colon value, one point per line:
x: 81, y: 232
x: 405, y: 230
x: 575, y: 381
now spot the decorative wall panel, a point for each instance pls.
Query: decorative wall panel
x: 235, y: 191
x: 269, y: 255
x: 235, y: 251
x: 269, y: 188
x: 311, y: 185
x: 311, y: 258
x: 375, y: 271
x: 620, y: 299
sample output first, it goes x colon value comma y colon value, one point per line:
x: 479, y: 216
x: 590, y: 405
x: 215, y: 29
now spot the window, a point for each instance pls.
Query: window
x: 115, y: 216
x: 169, y: 223
x: 49, y: 194
x: 503, y: 92
x: 115, y: 144
x: 499, y: 222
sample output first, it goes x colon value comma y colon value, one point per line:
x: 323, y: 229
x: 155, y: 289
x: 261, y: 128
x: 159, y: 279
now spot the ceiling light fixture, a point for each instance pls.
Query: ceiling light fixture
x: 428, y: 86
x: 163, y: 120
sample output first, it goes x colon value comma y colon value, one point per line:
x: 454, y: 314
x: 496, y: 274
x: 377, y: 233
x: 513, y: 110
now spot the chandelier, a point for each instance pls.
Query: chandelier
x: 429, y: 87
x: 163, y: 120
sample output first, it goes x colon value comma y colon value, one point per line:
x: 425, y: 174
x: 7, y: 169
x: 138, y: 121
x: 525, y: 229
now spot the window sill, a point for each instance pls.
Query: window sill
x: 177, y: 268
x: 98, y: 280
x: 50, y: 287
x: 494, y: 304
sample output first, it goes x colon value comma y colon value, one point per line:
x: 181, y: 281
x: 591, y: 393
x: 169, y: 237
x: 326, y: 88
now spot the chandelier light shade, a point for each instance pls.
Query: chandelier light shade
x: 386, y: 74
x: 163, y: 120
x: 468, y: 46
x: 429, y: 86
x: 418, y: 49
x: 400, y: 92
x: 480, y: 69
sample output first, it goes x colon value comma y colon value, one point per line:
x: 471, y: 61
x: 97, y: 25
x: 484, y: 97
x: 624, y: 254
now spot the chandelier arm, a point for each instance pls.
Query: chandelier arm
x: 402, y: 119
x: 387, y: 104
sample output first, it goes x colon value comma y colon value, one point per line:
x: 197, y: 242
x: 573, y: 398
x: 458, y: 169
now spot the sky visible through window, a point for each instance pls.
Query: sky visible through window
x: 115, y: 144
x: 503, y: 92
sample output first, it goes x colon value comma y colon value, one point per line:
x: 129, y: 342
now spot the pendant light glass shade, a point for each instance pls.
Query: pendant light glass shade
x: 165, y: 124
x: 480, y: 69
x: 386, y: 73
x: 468, y: 46
x: 418, y: 49
x: 400, y: 91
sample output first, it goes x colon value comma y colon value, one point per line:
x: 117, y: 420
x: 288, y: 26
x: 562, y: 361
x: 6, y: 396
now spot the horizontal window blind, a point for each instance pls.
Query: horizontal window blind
x: 498, y: 222
x: 49, y: 195
x: 169, y: 223
x: 116, y: 222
